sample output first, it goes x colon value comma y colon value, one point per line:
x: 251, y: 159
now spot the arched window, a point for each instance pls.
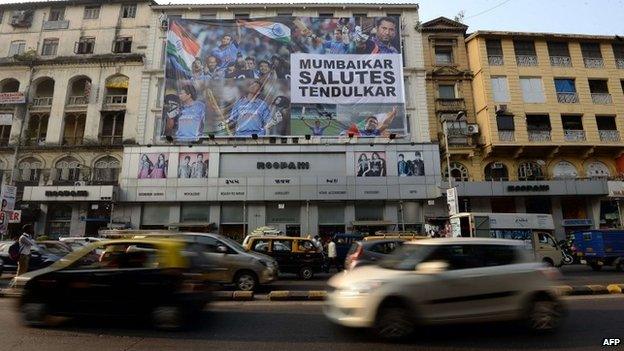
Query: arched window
x: 9, y: 85
x: 79, y: 91
x: 530, y: 170
x: 30, y: 170
x: 106, y: 170
x: 496, y: 171
x: 44, y: 90
x: 459, y: 172
x: 597, y: 169
x: 67, y: 169
x: 565, y: 170
x: 116, y: 90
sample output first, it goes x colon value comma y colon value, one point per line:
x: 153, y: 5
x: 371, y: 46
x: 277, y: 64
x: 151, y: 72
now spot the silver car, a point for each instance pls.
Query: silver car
x: 446, y: 280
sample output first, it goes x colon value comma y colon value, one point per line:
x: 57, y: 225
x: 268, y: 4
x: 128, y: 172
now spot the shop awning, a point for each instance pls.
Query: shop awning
x: 372, y: 223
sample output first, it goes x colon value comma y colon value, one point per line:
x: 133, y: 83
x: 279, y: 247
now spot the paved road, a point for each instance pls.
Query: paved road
x: 301, y: 326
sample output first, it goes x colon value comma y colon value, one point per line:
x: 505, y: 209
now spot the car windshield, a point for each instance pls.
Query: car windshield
x: 234, y: 244
x: 406, y: 257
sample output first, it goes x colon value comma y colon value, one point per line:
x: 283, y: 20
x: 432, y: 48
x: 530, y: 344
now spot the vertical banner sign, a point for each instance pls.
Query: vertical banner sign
x: 452, y: 201
x: 8, y: 197
x: 284, y: 76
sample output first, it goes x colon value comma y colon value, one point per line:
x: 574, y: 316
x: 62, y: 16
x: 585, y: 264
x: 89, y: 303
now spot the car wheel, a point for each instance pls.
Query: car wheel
x: 394, y: 323
x: 168, y: 317
x: 595, y: 267
x: 306, y: 273
x: 246, y: 281
x: 549, y: 262
x: 34, y: 314
x: 544, y: 315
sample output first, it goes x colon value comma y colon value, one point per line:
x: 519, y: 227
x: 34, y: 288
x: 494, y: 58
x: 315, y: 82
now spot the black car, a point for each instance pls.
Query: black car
x: 364, y: 253
x: 40, y: 257
x: 130, y: 278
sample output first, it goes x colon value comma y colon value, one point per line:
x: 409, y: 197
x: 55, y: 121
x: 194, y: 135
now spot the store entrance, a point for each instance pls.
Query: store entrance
x: 233, y: 231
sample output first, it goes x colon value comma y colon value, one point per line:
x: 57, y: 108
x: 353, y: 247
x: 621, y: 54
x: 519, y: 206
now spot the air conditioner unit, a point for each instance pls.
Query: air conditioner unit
x: 80, y: 183
x: 472, y: 129
x: 498, y: 165
x: 500, y: 109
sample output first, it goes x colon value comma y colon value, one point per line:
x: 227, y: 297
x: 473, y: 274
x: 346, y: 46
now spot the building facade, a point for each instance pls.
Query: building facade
x: 68, y: 75
x: 300, y: 184
x: 548, y: 108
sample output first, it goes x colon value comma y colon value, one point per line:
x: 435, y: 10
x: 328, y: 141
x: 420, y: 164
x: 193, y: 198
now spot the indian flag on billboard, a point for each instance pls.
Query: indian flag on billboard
x: 182, y: 47
x: 274, y: 30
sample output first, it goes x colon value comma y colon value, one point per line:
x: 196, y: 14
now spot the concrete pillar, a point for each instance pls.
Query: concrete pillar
x: 349, y: 215
x: 57, y: 113
x: 174, y: 213
x: 92, y: 123
x: 77, y: 227
x: 256, y: 216
x: 594, y: 211
x: 40, y: 225
x: 215, y: 215
x: 391, y: 213
x: 557, y: 215
x: 309, y: 219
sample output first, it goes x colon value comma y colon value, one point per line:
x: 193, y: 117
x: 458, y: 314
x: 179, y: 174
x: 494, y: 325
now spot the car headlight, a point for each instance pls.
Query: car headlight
x: 361, y: 288
x: 267, y: 264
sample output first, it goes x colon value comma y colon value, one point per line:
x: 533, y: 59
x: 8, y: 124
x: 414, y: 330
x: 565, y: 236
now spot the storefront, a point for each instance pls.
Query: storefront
x: 329, y: 189
x: 70, y: 210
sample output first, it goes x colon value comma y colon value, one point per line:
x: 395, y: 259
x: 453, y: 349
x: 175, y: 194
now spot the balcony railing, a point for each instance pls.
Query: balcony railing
x: 609, y: 136
x: 574, y: 135
x: 619, y: 62
x: 72, y: 140
x: 568, y: 98
x: 561, y: 61
x: 539, y: 135
x: 450, y: 104
x: 44, y: 101
x: 50, y: 25
x: 115, y: 99
x: 526, y: 60
x: 77, y: 100
x: 110, y: 139
x: 506, y: 135
x: 496, y: 60
x: 593, y: 62
x: 602, y: 98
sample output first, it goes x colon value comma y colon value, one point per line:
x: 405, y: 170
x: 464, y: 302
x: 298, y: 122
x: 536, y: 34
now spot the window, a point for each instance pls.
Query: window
x: 106, y: 170
x: 49, y: 47
x: 524, y: 47
x: 618, y: 52
x: 444, y: 55
x: 565, y: 86
x: 598, y: 86
x: 154, y: 216
x: 459, y: 172
x: 326, y: 14
x: 385, y: 248
x: 74, y: 128
x: 498, y: 255
x: 496, y: 171
x: 17, y: 47
x: 208, y: 15
x: 597, y: 169
x: 67, y: 170
x: 572, y: 122
x: 538, y: 122
x: 494, y: 52
x: 530, y: 170
x: 591, y: 50
x: 546, y: 239
x: 457, y: 256
x: 122, y: 45
x: 37, y: 129
x: 191, y: 212
x: 84, y: 46
x: 112, y: 128
x: 532, y: 90
x: 91, y: 12
x: 241, y: 15
x: 500, y: 89
x: 565, y: 170
x: 282, y: 245
x: 505, y: 122
x: 57, y: 14
x: 606, y: 122
x: 5, y: 133
x: 559, y: 49
x: 30, y: 170
x: 446, y: 91
x: 261, y: 245
x: 118, y: 256
x: 128, y: 11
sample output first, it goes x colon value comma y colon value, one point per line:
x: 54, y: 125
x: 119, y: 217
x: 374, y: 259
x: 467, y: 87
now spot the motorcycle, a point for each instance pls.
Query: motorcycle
x: 566, y: 250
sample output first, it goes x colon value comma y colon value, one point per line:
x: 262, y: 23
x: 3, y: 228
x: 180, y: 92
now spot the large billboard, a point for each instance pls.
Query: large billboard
x: 283, y: 76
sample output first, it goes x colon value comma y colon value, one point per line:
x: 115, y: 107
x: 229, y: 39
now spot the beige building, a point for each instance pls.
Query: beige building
x: 549, y: 110
x: 70, y: 74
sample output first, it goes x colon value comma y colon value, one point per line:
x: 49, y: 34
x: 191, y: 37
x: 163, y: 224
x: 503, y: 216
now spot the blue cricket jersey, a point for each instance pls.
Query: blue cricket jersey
x: 250, y: 116
x: 226, y: 55
x: 191, y: 120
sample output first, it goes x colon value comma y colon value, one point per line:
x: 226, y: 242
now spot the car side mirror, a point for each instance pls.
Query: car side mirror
x: 433, y: 267
x: 222, y: 249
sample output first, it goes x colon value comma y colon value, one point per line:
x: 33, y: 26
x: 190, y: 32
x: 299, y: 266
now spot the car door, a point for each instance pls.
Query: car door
x: 546, y: 249
x: 221, y: 271
x: 282, y: 251
x: 305, y: 255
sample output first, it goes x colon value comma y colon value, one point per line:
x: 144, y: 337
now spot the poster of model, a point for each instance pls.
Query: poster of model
x: 283, y: 76
x: 370, y: 164
x: 153, y: 166
x: 193, y: 165
x: 410, y: 163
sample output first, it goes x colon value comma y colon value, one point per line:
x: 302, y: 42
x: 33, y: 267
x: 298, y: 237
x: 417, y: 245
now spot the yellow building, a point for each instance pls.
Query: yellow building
x: 549, y: 110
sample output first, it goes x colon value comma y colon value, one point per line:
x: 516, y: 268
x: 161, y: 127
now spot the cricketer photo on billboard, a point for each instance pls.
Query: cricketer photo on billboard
x: 283, y: 76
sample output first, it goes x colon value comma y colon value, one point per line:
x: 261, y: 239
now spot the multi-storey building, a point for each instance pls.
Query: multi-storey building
x: 68, y: 73
x: 238, y: 193
x: 549, y: 109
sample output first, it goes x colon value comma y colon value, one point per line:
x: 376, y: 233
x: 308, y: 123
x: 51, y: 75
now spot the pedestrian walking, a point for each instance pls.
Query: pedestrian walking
x: 26, y: 242
x: 331, y: 254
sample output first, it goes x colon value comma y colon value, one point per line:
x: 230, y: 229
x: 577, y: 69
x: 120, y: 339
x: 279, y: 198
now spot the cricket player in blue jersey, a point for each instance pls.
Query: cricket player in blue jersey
x: 250, y: 113
x: 227, y: 52
x: 381, y: 42
x: 190, y: 116
x: 337, y: 45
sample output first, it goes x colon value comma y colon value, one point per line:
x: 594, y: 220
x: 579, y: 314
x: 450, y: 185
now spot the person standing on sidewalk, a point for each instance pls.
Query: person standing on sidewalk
x: 26, y: 242
x: 331, y: 254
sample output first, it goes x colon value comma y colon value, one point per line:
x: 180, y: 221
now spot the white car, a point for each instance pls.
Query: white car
x: 436, y: 281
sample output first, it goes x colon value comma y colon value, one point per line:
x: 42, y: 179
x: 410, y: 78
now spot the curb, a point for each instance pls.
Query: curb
x: 288, y: 295
x: 589, y: 289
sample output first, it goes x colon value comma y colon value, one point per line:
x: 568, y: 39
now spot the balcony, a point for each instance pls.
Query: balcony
x: 52, y: 25
x: 496, y: 60
x: 110, y: 140
x: 619, y: 62
x: 526, y: 60
x: 115, y: 102
x: 602, y: 98
x: 609, y: 136
x: 45, y: 101
x: 574, y: 135
x: 77, y: 101
x: 593, y: 62
x: 72, y: 140
x: 561, y: 61
x: 539, y: 135
x: 450, y: 105
x: 506, y: 135
x: 567, y: 98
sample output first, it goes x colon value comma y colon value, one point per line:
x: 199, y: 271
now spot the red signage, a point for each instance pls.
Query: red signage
x: 12, y: 98
x: 14, y: 216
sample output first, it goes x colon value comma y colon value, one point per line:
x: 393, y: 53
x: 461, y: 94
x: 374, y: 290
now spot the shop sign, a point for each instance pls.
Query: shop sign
x: 12, y: 98
x: 14, y: 216
x: 66, y: 193
x: 616, y: 188
x: 577, y: 223
x: 283, y: 165
x: 540, y: 187
x: 232, y: 181
x: 452, y: 201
